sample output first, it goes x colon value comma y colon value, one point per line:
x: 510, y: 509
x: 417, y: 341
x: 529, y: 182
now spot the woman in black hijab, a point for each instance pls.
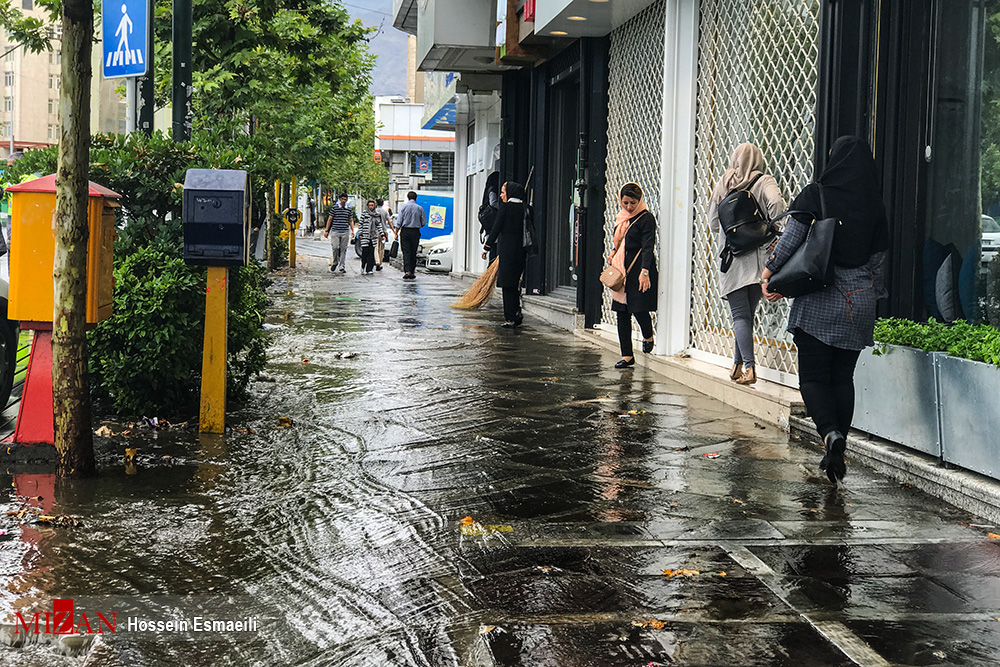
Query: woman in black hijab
x: 831, y: 326
x: 507, y: 235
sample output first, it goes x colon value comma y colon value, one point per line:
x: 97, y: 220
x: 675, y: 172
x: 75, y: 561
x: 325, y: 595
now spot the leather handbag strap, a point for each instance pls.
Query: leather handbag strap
x: 633, y: 262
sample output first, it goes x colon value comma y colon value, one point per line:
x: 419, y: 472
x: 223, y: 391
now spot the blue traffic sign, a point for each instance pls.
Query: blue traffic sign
x: 125, y: 37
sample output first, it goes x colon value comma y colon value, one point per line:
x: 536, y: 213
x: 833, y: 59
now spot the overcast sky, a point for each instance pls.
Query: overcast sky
x: 389, y: 45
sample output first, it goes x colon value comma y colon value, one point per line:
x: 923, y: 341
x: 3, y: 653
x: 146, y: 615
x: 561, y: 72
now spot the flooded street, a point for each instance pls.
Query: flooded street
x: 452, y: 493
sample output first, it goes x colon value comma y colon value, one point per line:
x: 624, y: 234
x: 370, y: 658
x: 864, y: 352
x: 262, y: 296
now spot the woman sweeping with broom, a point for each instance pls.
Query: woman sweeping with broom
x: 507, y: 234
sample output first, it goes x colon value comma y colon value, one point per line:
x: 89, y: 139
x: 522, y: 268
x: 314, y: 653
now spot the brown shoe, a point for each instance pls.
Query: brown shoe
x: 749, y: 376
x: 736, y: 373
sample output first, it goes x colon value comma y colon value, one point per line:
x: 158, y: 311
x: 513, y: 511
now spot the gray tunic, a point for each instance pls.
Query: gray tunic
x: 745, y: 269
x: 842, y: 315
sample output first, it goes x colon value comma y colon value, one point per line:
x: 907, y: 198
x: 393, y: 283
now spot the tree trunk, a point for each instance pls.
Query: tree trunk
x: 269, y: 205
x: 70, y: 380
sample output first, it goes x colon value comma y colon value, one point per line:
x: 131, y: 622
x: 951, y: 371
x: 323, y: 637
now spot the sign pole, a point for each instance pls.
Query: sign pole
x: 181, y: 80
x: 292, y: 220
x: 213, y: 360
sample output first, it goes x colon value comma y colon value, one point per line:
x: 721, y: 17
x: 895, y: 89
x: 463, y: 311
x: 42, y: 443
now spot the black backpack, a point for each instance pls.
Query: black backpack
x: 487, y: 215
x: 745, y: 224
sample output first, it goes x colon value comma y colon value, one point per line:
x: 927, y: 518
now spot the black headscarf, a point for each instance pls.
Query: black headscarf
x: 515, y: 190
x: 850, y: 184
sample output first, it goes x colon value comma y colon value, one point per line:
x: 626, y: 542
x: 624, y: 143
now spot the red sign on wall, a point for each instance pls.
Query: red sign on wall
x: 529, y: 11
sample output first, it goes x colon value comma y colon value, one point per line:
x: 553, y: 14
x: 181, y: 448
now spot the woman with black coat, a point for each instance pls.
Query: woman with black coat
x: 634, y: 242
x: 832, y: 325
x: 507, y: 235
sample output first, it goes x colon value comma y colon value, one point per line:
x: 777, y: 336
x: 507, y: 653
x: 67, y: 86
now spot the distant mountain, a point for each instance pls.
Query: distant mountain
x: 389, y: 45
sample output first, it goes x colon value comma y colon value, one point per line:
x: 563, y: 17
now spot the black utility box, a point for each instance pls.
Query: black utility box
x: 216, y: 217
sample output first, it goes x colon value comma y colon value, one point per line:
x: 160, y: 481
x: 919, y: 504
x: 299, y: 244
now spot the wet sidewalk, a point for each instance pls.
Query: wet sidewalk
x: 452, y: 493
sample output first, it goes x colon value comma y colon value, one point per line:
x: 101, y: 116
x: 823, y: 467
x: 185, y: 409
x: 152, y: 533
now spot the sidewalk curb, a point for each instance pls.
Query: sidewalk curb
x: 766, y: 401
x: 964, y: 489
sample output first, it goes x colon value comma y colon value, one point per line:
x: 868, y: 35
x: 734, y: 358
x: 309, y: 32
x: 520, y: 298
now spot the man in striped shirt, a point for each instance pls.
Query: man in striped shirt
x: 340, y: 221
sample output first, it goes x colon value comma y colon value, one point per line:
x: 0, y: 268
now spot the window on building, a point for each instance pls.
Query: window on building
x: 55, y: 31
x: 50, y: 131
x: 52, y: 106
x: 438, y: 167
x: 8, y: 79
x: 8, y: 104
x: 27, y: 4
x: 52, y: 81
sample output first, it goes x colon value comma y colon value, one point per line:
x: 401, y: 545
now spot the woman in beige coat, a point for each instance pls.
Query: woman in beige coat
x: 740, y: 284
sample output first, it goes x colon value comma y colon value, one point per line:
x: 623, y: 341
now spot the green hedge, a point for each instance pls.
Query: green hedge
x: 979, y: 342
x: 146, y: 358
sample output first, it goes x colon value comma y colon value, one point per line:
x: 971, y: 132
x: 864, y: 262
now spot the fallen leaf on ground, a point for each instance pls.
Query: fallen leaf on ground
x: 551, y: 379
x: 305, y: 361
x: 740, y: 502
x: 130, y: 453
x: 58, y: 520
x: 993, y: 536
x: 651, y: 623
x: 486, y: 629
x: 712, y: 455
x: 468, y: 521
x: 285, y: 422
x: 543, y: 568
x: 722, y: 574
x: 479, y: 529
x: 682, y: 572
x: 104, y: 432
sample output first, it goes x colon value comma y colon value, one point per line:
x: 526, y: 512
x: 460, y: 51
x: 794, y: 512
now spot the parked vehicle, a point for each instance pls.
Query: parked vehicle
x: 991, y: 238
x: 426, y: 245
x: 9, y: 334
x: 439, y: 258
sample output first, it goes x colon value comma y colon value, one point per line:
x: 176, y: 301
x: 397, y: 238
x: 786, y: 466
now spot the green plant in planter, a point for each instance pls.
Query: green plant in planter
x: 960, y: 339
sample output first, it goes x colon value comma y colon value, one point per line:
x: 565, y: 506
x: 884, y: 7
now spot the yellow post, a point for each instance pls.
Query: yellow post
x: 292, y: 204
x: 277, y: 196
x: 213, y: 360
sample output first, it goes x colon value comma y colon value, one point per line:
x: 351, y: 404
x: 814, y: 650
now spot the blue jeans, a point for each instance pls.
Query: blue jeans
x: 742, y: 303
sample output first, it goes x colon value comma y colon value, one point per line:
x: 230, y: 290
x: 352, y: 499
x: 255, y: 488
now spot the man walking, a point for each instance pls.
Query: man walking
x: 383, y: 211
x: 340, y: 221
x: 408, y: 223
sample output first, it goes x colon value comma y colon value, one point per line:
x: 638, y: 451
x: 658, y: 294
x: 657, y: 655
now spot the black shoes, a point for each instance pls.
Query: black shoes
x: 833, y: 463
x: 647, y: 346
x: 378, y: 267
x: 507, y: 325
x: 519, y: 319
x: 409, y: 276
x: 625, y: 364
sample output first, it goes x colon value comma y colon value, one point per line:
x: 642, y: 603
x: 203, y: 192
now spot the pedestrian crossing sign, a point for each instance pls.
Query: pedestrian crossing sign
x: 125, y: 35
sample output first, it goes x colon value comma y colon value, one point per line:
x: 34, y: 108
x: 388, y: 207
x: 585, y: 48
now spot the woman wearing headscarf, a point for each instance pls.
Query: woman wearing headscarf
x: 634, y: 242
x: 739, y: 285
x: 507, y: 235
x: 372, y: 231
x: 832, y: 325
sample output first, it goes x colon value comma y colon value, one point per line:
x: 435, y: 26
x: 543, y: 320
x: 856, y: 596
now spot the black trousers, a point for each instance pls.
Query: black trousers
x: 625, y: 329
x: 367, y: 258
x: 511, y: 303
x: 826, y: 381
x: 409, y: 239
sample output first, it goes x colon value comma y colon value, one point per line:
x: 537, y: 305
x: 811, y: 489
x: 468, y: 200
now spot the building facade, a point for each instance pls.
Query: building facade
x: 29, y: 117
x: 594, y: 95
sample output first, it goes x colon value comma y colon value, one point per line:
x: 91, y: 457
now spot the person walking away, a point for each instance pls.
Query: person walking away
x: 383, y: 211
x: 507, y: 236
x: 740, y: 283
x: 633, y: 256
x: 340, y: 222
x: 372, y: 235
x: 409, y: 220
x: 832, y: 325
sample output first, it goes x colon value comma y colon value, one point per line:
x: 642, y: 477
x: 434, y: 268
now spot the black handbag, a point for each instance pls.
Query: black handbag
x: 744, y: 223
x: 530, y: 240
x: 810, y: 267
x: 394, y: 249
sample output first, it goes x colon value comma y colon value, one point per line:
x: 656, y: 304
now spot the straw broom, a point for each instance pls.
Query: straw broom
x: 481, y: 291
